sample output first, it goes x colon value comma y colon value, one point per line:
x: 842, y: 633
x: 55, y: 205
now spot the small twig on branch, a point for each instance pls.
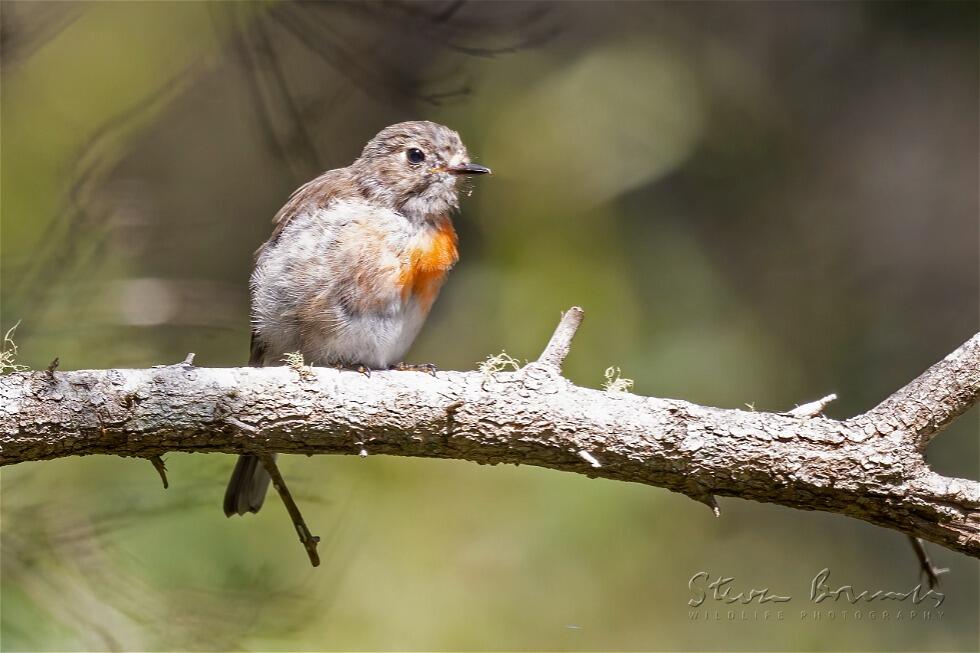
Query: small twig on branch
x: 813, y: 408
x: 925, y: 564
x: 308, y: 539
x: 561, y: 340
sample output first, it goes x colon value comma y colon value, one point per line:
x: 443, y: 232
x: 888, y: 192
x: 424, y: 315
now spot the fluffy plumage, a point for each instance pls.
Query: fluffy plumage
x: 354, y: 263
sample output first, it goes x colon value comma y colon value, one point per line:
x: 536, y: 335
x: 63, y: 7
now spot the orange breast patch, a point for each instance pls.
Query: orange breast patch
x: 427, y: 264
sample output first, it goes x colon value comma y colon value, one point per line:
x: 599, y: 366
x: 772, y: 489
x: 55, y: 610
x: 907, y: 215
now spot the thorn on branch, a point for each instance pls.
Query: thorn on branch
x: 561, y: 340
x: 589, y: 458
x: 708, y: 500
x: 700, y: 494
x: 158, y: 465
x: 813, y: 408
x: 189, y: 359
x: 308, y: 540
x: 712, y: 503
x: 451, y: 414
x: 53, y: 366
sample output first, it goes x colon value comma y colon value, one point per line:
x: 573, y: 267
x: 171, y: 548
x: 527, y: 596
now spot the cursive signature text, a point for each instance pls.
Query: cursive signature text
x: 820, y: 590
x: 721, y: 590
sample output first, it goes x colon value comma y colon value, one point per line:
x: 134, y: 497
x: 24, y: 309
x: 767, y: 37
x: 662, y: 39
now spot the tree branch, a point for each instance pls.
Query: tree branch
x: 932, y: 401
x: 870, y: 467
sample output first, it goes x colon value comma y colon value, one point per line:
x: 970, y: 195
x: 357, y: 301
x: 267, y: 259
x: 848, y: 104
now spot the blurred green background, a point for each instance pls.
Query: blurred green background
x: 755, y: 203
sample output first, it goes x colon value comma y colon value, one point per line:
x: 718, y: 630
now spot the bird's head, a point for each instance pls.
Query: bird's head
x: 413, y: 167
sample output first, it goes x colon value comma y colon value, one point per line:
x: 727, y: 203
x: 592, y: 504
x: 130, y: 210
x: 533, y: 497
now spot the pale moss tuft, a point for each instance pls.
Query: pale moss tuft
x: 295, y: 360
x: 8, y: 354
x: 615, y: 382
x: 498, y: 363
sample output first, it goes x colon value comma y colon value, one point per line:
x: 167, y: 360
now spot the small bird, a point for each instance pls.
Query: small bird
x: 356, y: 258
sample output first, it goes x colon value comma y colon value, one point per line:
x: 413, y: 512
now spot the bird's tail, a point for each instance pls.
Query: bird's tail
x: 247, y: 487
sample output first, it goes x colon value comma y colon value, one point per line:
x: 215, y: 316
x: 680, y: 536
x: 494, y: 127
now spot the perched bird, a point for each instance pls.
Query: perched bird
x: 355, y: 261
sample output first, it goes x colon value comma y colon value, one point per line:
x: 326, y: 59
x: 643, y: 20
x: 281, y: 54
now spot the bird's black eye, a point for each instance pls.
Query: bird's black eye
x: 415, y: 155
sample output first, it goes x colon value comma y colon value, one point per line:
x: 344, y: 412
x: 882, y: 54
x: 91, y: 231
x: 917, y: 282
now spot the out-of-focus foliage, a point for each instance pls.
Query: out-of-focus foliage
x: 756, y: 203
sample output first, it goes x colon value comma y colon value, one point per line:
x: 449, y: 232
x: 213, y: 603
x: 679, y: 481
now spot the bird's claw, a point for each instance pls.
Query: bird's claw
x: 366, y: 371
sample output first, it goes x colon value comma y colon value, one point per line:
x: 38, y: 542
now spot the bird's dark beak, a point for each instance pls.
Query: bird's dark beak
x: 469, y: 169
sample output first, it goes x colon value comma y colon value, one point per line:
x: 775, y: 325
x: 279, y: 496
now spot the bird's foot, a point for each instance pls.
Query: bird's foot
x: 366, y: 371
x: 428, y: 368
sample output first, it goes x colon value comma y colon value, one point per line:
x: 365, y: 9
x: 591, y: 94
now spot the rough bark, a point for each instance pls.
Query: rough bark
x: 870, y: 467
